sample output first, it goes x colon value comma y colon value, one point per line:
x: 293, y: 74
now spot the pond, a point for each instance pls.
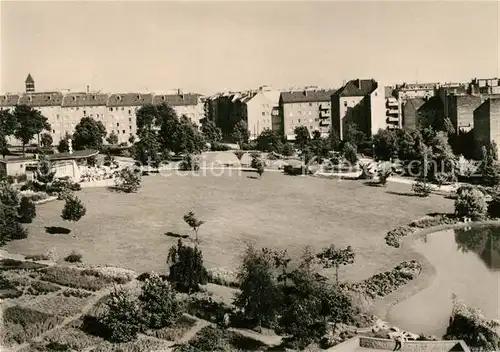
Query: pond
x: 467, y: 263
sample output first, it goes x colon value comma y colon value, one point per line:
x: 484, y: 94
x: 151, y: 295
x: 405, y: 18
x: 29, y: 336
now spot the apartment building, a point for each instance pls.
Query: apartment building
x: 393, y: 108
x: 410, y: 116
x: 117, y: 111
x: 487, y: 122
x: 484, y: 86
x: 310, y: 107
x: 415, y: 90
x: 359, y: 101
x: 460, y: 110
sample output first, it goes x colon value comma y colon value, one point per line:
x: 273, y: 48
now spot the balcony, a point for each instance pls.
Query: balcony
x: 324, y: 114
x: 392, y: 119
x: 324, y: 123
x: 392, y: 112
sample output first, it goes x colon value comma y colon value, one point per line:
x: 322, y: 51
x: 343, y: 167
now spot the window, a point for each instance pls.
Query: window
x: 77, y: 108
x: 123, y: 108
x: 129, y: 112
x: 130, y: 119
x: 110, y: 109
x: 299, y: 120
x: 117, y: 124
x: 123, y: 131
x: 345, y: 103
x: 130, y: 127
x: 310, y: 104
x: 53, y: 131
x: 57, y: 116
x: 263, y: 113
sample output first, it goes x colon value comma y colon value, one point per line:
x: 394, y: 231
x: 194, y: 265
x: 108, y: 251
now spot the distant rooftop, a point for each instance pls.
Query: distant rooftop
x: 307, y: 96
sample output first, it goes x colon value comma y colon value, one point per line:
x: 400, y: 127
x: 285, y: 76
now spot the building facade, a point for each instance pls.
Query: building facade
x: 487, y: 122
x: 117, y: 111
x: 309, y: 107
x: 361, y: 102
x: 484, y: 86
x: 410, y: 112
x: 393, y: 109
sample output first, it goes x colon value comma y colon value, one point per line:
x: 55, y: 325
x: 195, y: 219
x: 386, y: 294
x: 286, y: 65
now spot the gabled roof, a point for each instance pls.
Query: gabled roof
x: 29, y: 79
x: 9, y: 100
x: 130, y: 99
x: 357, y: 88
x: 177, y: 99
x: 306, y: 96
x: 84, y: 99
x: 41, y: 99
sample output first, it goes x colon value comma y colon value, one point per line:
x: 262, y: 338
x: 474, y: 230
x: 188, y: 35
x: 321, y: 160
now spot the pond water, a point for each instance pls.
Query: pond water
x: 467, y: 263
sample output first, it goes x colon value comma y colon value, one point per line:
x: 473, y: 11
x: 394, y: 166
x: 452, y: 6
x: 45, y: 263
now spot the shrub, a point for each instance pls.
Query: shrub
x: 219, y: 147
x: 128, y: 180
x: 159, y: 306
x: 189, y: 163
x: 471, y: 203
x: 239, y: 154
x: 494, y: 207
x: 76, y: 293
x: 28, y: 186
x: 186, y: 267
x: 26, y: 210
x: 223, y: 277
x: 37, y: 257
x: 73, y: 257
x: 252, y: 145
x: 421, y: 188
x: 383, y: 175
x: 394, y: 236
x: 122, y: 319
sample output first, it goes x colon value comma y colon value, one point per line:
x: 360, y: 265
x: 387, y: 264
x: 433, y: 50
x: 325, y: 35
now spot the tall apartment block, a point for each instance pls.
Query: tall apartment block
x: 487, y: 122
x: 310, y: 107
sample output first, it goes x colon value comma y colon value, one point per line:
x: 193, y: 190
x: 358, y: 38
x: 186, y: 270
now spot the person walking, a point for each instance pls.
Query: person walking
x: 399, y: 339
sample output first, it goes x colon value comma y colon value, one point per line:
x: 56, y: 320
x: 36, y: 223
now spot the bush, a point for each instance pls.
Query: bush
x: 187, y: 271
x: 219, y: 147
x: 122, y: 319
x: 421, y: 188
x: 128, y: 180
x: 159, y: 306
x: 252, y: 145
x: 73, y: 257
x: 494, y: 207
x: 383, y: 175
x: 470, y: 203
x: 189, y: 163
x: 26, y: 211
x: 394, y: 236
x: 176, y: 332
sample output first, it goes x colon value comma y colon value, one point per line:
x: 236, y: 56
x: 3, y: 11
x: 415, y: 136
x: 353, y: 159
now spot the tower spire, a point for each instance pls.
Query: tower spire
x: 30, y: 84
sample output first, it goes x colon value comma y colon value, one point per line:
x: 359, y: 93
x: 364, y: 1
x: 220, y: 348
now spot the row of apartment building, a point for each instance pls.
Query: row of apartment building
x: 362, y: 101
x: 117, y: 111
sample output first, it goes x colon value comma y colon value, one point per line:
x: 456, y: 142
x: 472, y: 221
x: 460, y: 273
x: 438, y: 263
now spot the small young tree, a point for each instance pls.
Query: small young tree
x: 112, y: 138
x: 366, y: 172
x: 189, y: 163
x: 186, y: 267
x: 384, y: 172
x: 240, y: 132
x: 26, y: 210
x: 122, y: 319
x: 73, y: 209
x: 193, y: 222
x: 159, y: 306
x: 44, y: 175
x: 239, y: 154
x: 63, y: 146
x: 128, y: 180
x: 470, y: 203
x: 335, y: 257
x: 257, y: 164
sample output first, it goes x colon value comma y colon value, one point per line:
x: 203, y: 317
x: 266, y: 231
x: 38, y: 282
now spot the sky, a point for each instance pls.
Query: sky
x: 208, y: 46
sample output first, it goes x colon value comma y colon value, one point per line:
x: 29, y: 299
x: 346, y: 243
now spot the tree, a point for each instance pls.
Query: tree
x: 26, y: 210
x: 4, y: 147
x: 288, y: 149
x: 353, y: 135
x: 490, y: 170
x: 335, y: 257
x: 160, y: 308
x: 350, y: 153
x: 269, y: 141
x: 30, y: 123
x: 189, y: 163
x: 112, y: 138
x: 73, y: 209
x: 8, y: 123
x: 211, y: 132
x: 44, y: 175
x: 63, y: 146
x: 122, y: 318
x: 409, y: 141
x: 384, y: 172
x: 88, y: 134
x: 240, y: 132
x: 46, y: 140
x: 260, y: 296
x: 147, y: 149
x: 186, y: 267
x: 470, y: 202
x: 128, y: 180
x: 302, y: 137
x: 385, y: 144
x: 257, y: 164
x: 193, y: 222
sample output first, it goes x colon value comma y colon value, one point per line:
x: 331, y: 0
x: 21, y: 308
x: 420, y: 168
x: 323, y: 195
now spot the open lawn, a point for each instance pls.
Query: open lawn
x: 276, y: 211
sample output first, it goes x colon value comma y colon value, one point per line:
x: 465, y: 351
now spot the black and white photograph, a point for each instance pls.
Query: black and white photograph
x: 277, y: 175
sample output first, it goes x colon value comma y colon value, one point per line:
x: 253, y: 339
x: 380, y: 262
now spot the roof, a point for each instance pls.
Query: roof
x: 41, y: 99
x: 358, y: 88
x: 9, y: 100
x: 77, y: 154
x: 130, y: 99
x: 84, y: 99
x: 177, y: 99
x: 29, y: 79
x: 17, y: 159
x: 306, y: 96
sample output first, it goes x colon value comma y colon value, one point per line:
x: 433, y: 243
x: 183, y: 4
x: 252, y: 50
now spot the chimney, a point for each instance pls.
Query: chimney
x: 88, y: 89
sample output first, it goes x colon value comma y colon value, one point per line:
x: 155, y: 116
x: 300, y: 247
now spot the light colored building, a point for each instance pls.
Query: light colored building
x: 188, y: 104
x: 362, y: 102
x: 415, y: 90
x: 121, y: 114
x: 460, y: 110
x: 487, y: 122
x: 259, y: 108
x: 484, y: 86
x: 393, y: 108
x: 308, y: 107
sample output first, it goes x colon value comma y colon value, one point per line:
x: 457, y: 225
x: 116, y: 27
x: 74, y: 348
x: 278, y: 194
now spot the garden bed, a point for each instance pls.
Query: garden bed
x: 87, y: 279
x: 174, y: 333
x: 12, y: 264
x: 59, y: 305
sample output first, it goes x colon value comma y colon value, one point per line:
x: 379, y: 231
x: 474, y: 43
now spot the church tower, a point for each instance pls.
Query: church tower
x: 30, y: 84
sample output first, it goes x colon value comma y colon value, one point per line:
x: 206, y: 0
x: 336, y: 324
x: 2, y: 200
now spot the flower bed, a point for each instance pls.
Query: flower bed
x: 394, y: 237
x: 380, y: 285
x: 223, y: 277
x: 34, y: 196
x: 73, y: 338
x: 90, y: 174
x: 87, y: 279
x: 59, y: 305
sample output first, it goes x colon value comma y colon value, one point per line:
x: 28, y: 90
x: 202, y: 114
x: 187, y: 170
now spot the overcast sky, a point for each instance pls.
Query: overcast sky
x: 215, y: 46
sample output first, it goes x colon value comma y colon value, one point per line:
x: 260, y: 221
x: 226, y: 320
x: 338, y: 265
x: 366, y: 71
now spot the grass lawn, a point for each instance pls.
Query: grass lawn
x: 276, y: 211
